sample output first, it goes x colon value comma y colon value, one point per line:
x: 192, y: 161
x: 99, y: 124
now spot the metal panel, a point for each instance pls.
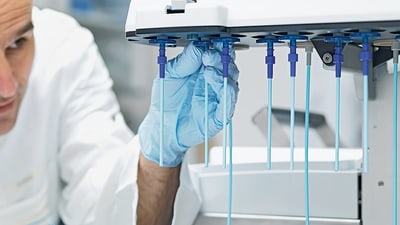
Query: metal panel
x: 377, y: 183
x: 217, y: 219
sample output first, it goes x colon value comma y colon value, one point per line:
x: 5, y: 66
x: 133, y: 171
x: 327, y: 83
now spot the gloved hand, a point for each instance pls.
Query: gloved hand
x: 184, y: 104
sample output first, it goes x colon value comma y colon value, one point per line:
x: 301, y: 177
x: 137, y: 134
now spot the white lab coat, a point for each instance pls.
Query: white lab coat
x: 70, y: 154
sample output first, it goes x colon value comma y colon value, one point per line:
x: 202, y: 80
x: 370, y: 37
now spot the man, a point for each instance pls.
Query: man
x: 65, y: 152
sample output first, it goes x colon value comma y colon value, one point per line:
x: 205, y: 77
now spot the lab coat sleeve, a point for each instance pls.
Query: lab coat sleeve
x: 98, y: 154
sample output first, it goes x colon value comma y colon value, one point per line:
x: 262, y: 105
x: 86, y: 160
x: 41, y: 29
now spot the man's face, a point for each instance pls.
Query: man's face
x: 16, y: 57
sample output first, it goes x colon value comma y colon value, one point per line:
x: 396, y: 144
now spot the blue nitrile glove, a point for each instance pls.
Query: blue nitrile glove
x: 184, y: 104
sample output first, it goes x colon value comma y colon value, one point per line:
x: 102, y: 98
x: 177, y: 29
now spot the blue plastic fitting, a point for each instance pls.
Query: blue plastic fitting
x: 225, y: 58
x: 270, y: 58
x: 338, y: 58
x: 293, y: 57
x: 397, y: 37
x: 162, y: 59
x: 365, y: 55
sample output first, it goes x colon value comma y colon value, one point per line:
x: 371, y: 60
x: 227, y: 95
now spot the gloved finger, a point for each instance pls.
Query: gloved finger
x: 186, y: 63
x: 212, y: 58
x: 214, y: 78
x: 231, y: 99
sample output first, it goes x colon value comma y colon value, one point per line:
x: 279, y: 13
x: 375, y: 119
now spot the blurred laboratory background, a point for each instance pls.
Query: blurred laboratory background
x: 134, y: 66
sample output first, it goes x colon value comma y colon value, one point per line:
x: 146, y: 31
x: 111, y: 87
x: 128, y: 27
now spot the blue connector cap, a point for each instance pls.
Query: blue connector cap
x: 162, y: 59
x: 365, y: 55
x: 225, y: 58
x: 270, y: 58
x: 338, y: 58
x: 397, y: 37
x: 293, y: 57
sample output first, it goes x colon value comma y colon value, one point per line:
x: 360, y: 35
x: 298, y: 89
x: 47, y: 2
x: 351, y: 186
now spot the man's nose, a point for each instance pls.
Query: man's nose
x: 8, y: 83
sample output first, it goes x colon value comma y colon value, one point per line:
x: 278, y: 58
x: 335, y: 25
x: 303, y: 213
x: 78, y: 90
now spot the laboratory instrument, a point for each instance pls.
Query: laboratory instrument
x: 356, y: 191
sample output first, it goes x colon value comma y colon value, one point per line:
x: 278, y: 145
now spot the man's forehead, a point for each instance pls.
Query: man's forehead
x: 15, y: 15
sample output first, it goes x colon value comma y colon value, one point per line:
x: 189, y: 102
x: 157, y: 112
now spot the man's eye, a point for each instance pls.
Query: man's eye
x: 17, y: 44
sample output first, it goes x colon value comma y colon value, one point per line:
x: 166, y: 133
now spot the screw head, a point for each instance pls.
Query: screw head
x: 327, y: 58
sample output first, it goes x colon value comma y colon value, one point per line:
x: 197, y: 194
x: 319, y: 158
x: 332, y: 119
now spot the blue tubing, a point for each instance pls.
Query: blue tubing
x: 230, y: 176
x: 338, y: 60
x: 365, y: 125
x: 270, y: 61
x: 306, y: 178
x: 365, y: 58
x: 225, y: 121
x: 292, y: 58
x: 225, y: 59
x: 292, y: 114
x: 395, y: 163
x: 337, y: 137
x: 269, y: 128
x: 225, y: 63
x: 161, y: 121
x: 162, y: 61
